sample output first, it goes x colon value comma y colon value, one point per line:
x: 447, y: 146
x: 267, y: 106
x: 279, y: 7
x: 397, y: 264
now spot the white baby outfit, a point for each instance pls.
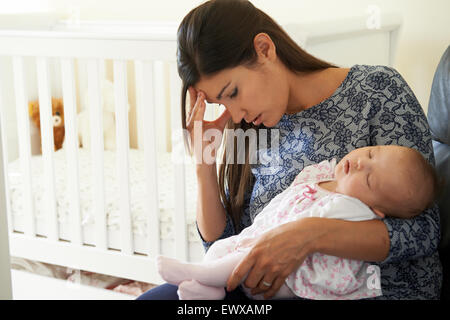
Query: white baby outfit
x: 320, y: 276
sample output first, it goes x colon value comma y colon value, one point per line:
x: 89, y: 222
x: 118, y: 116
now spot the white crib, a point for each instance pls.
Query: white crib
x: 144, y: 53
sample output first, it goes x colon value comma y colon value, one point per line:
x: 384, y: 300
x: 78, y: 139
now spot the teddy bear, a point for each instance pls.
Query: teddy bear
x: 57, y: 117
x: 108, y: 117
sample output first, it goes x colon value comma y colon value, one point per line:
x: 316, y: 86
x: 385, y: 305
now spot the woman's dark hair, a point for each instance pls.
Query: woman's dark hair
x: 219, y: 35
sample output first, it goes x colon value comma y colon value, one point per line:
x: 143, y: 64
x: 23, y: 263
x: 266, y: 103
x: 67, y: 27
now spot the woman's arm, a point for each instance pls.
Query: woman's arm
x: 413, y: 238
x: 361, y: 240
x: 400, y: 120
x: 212, y: 219
x: 211, y: 215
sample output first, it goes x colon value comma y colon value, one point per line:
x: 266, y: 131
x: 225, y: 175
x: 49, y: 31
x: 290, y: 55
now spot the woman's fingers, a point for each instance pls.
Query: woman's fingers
x: 276, y: 285
x: 239, y: 273
x: 197, y: 104
x: 192, y: 97
x: 265, y: 284
x: 254, y: 277
x: 198, y: 111
x: 221, y: 122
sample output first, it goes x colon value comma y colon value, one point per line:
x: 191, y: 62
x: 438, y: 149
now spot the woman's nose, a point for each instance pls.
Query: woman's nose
x: 236, y: 114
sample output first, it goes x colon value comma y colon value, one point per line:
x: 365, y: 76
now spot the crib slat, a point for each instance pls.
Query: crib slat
x: 23, y: 127
x: 123, y: 145
x: 46, y: 118
x: 146, y: 117
x: 180, y: 226
x: 71, y: 146
x: 4, y: 151
x: 162, y: 118
x: 96, y: 132
x: 5, y: 266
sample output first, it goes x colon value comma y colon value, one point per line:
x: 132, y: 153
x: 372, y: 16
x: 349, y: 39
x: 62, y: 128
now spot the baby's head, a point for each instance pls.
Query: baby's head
x: 392, y: 180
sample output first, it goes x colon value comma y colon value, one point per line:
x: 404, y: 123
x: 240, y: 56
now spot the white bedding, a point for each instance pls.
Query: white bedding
x: 137, y: 194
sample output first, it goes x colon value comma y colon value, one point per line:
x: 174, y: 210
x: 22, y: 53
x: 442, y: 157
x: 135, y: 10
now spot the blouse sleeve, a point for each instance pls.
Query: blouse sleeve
x: 227, y: 232
x: 400, y: 120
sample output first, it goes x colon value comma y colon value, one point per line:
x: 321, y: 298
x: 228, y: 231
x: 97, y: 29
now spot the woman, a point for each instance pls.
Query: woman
x: 231, y: 53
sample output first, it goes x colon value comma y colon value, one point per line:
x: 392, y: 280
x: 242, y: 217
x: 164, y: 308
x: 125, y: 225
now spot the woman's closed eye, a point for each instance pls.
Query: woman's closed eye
x: 234, y: 93
x: 368, y: 175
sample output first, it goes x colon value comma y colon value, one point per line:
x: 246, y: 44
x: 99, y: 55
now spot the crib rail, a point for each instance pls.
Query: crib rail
x: 145, y: 53
x: 72, y: 45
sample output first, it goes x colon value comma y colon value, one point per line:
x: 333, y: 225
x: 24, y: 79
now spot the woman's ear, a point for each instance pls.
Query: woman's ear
x: 378, y: 212
x: 264, y: 46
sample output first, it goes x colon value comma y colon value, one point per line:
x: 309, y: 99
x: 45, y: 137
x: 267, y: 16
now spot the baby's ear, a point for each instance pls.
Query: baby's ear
x: 378, y: 213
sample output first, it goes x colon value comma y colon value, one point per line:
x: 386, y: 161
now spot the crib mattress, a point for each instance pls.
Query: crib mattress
x: 137, y: 196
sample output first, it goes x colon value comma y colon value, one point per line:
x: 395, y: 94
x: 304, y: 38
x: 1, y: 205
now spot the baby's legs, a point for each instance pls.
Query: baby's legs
x: 210, y: 272
x: 207, y: 279
x: 213, y: 272
x: 193, y: 290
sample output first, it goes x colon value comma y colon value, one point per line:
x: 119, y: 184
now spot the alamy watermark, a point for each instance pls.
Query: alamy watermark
x: 258, y: 146
x: 373, y: 281
x: 374, y: 19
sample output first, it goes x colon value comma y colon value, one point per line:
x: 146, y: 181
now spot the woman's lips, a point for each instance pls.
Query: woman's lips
x: 257, y: 121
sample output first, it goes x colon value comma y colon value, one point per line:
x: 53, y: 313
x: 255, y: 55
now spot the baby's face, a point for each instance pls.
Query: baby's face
x: 375, y: 175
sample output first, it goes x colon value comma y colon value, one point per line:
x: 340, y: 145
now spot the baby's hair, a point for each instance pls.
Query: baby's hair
x: 438, y: 184
x: 434, y: 185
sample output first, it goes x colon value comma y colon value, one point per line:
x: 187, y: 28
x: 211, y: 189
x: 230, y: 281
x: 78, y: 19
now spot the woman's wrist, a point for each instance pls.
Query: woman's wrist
x: 206, y: 171
x: 316, y: 231
x: 211, y: 215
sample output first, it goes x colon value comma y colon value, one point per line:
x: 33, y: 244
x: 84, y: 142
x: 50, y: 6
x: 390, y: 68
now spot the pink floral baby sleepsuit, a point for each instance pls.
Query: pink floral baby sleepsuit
x: 320, y: 276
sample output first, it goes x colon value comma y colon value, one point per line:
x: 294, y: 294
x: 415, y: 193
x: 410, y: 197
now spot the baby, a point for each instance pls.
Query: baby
x: 368, y: 183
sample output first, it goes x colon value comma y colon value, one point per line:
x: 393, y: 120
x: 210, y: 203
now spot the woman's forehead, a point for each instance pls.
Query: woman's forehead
x: 216, y: 85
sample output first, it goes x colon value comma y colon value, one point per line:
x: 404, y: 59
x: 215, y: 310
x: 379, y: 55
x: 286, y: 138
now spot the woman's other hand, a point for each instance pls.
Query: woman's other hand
x: 275, y: 255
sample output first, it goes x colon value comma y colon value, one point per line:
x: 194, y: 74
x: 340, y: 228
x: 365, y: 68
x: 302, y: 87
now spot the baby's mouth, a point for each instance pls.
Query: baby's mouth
x: 346, y: 166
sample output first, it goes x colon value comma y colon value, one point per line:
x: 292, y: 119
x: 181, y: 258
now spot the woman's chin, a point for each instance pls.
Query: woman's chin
x: 268, y: 123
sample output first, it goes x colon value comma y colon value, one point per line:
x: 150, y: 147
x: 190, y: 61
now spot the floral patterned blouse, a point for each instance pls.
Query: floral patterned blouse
x: 373, y: 106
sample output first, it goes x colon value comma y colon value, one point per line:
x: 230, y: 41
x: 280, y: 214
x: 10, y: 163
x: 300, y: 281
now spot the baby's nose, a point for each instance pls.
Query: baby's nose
x: 360, y: 164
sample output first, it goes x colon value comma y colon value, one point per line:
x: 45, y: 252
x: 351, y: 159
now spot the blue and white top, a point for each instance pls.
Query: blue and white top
x: 373, y: 106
